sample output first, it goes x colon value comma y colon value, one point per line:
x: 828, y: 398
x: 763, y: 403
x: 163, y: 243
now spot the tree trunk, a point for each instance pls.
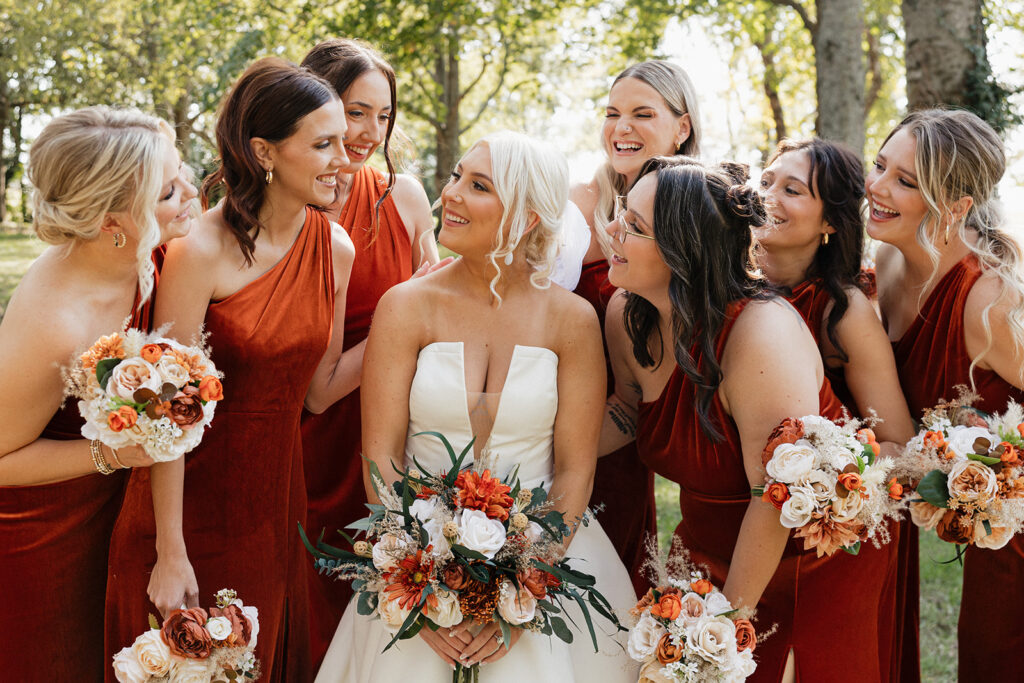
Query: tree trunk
x: 5, y: 125
x: 771, y: 89
x: 940, y: 38
x: 839, y: 60
x: 447, y: 134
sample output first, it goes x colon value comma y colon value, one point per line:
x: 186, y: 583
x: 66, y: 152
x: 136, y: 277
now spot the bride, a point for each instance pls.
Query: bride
x: 487, y: 347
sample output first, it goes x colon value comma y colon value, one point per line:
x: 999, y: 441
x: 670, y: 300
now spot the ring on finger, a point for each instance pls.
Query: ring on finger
x: 499, y: 639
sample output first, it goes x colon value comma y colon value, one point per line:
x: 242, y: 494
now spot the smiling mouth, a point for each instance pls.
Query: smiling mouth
x: 329, y: 179
x: 359, y: 151
x: 627, y: 147
x: 880, y: 212
x: 449, y: 216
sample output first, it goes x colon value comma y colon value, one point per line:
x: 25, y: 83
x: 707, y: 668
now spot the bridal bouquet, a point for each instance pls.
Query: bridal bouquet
x: 687, y: 631
x: 462, y: 544
x: 828, y: 483
x: 146, y: 390
x: 971, y: 471
x: 195, y: 646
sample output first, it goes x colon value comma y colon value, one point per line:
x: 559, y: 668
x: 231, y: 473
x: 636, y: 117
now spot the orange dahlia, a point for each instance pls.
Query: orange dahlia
x: 408, y: 580
x: 110, y: 346
x: 484, y: 492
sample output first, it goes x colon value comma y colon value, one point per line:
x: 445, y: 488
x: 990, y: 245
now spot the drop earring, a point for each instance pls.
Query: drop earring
x: 508, y: 259
x: 270, y: 176
x: 119, y: 239
x: 824, y: 239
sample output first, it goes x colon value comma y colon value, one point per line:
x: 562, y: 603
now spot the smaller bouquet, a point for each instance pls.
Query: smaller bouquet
x: 687, y: 631
x: 970, y: 468
x: 196, y: 646
x: 462, y: 544
x: 146, y: 390
x: 829, y: 484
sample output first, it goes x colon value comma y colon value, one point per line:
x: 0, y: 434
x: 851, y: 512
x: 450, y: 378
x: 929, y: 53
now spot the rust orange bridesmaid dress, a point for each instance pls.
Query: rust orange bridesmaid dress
x: 822, y: 607
x: 54, y: 540
x: 331, y: 441
x: 623, y: 485
x: 244, y: 491
x: 932, y: 359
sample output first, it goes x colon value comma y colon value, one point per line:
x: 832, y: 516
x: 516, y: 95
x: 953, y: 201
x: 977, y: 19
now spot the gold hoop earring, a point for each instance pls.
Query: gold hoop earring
x: 824, y: 239
x: 119, y: 239
x: 270, y: 176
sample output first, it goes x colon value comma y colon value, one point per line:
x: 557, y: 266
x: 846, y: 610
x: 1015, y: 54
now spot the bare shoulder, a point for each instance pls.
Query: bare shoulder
x: 585, y: 195
x: 859, y: 308
x: 410, y: 198
x: 206, y: 244
x: 341, y: 243
x: 888, y: 264
x: 40, y: 308
x: 766, y: 320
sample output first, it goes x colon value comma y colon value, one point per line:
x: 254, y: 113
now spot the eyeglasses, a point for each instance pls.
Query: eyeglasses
x: 623, y: 228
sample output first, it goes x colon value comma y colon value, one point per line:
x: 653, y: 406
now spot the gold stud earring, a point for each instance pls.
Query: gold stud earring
x: 119, y: 239
x: 270, y: 176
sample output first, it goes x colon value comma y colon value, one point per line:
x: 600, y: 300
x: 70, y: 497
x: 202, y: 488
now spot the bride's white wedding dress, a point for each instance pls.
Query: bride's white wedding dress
x: 521, y: 435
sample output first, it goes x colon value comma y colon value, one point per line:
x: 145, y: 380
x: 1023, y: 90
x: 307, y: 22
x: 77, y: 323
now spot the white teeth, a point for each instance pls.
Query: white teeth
x: 881, y: 209
x: 627, y: 146
x: 329, y: 179
x: 357, y: 150
x: 453, y: 218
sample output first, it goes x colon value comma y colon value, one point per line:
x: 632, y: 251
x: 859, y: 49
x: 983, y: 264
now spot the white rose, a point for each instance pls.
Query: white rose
x: 219, y: 628
x: 926, y: 515
x: 171, y: 370
x: 391, y: 612
x: 534, y: 532
x: 743, y: 666
x: 131, y: 375
x: 425, y: 509
x: 447, y: 613
x: 651, y: 672
x: 822, y: 484
x: 191, y: 671
x: 516, y: 606
x: 796, y: 511
x: 716, y: 603
x: 152, y: 653
x: 693, y: 608
x: 999, y: 537
x: 961, y: 439
x: 253, y: 615
x: 480, y: 533
x: 791, y: 462
x: 127, y: 667
x: 389, y: 550
x: 846, y: 509
x: 712, y: 639
x: 440, y: 545
x: 644, y: 637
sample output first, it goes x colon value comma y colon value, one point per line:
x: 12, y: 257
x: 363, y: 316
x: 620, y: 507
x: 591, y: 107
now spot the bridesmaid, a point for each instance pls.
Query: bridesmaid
x: 952, y: 294
x: 388, y: 219
x: 108, y: 190
x: 264, y: 272
x: 651, y: 111
x: 744, y: 360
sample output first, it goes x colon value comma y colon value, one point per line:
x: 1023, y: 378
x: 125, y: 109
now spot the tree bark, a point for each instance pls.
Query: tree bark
x: 839, y: 61
x: 447, y: 134
x: 940, y: 38
x: 771, y: 89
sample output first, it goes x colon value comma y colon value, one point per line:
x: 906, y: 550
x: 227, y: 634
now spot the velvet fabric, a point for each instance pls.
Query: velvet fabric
x: 806, y: 597
x: 244, y: 492
x: 623, y: 485
x: 331, y: 441
x: 932, y: 359
x: 811, y: 300
x: 54, y: 540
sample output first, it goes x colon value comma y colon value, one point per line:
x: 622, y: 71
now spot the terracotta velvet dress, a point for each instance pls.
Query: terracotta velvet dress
x: 244, y: 491
x: 331, y: 442
x: 622, y: 483
x: 932, y: 359
x: 811, y: 299
x: 54, y: 540
x: 807, y: 598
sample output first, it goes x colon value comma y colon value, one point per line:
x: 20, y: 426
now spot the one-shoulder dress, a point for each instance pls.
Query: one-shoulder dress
x: 244, y: 491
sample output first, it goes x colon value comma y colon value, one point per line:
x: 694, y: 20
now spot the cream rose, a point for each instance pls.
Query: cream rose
x: 534, y: 532
x: 219, y: 628
x: 651, y: 673
x: 172, y: 371
x: 131, y: 375
x: 389, y: 550
x: 391, y: 612
x: 971, y: 480
x: 127, y: 668
x: 713, y: 639
x: 926, y: 515
x: 791, y: 462
x: 447, y: 613
x: 152, y: 653
x: 744, y: 665
x: 516, y: 606
x: 191, y: 671
x: 961, y: 439
x: 822, y: 484
x: 693, y: 608
x: 425, y: 509
x: 644, y: 637
x: 716, y: 603
x: 796, y: 511
x: 846, y: 509
x: 479, y: 532
x: 999, y: 537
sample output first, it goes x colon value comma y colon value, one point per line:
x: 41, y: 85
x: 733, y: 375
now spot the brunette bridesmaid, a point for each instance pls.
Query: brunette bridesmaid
x: 951, y: 292
x: 713, y: 362
x: 651, y: 110
x: 108, y: 190
x: 388, y: 219
x: 265, y: 273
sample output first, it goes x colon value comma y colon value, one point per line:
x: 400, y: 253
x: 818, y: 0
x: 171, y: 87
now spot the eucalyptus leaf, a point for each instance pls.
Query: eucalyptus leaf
x: 984, y: 459
x: 560, y: 629
x: 933, y: 488
x: 104, y: 369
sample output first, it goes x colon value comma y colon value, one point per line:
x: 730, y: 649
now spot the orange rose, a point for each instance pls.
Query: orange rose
x: 895, y: 489
x: 151, y: 353
x: 955, y: 528
x: 535, y: 581
x: 184, y: 633
x: 851, y: 481
x: 667, y: 652
x: 186, y: 410
x: 1009, y: 455
x: 746, y: 637
x: 455, y: 576
x: 866, y: 435
x: 701, y: 587
x: 210, y: 389
x: 124, y: 417
x: 776, y: 494
x: 1020, y: 430
x: 934, y: 440
x: 789, y: 431
x: 669, y: 605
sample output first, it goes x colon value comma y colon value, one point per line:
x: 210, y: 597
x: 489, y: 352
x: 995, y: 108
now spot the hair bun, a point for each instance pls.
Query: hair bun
x: 737, y: 172
x: 745, y: 202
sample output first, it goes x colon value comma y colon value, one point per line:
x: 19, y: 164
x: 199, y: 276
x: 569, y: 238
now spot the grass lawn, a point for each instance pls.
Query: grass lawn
x: 16, y: 253
x: 940, y: 590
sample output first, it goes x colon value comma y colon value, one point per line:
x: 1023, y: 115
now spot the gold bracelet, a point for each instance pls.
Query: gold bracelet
x: 117, y: 461
x: 98, y: 460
